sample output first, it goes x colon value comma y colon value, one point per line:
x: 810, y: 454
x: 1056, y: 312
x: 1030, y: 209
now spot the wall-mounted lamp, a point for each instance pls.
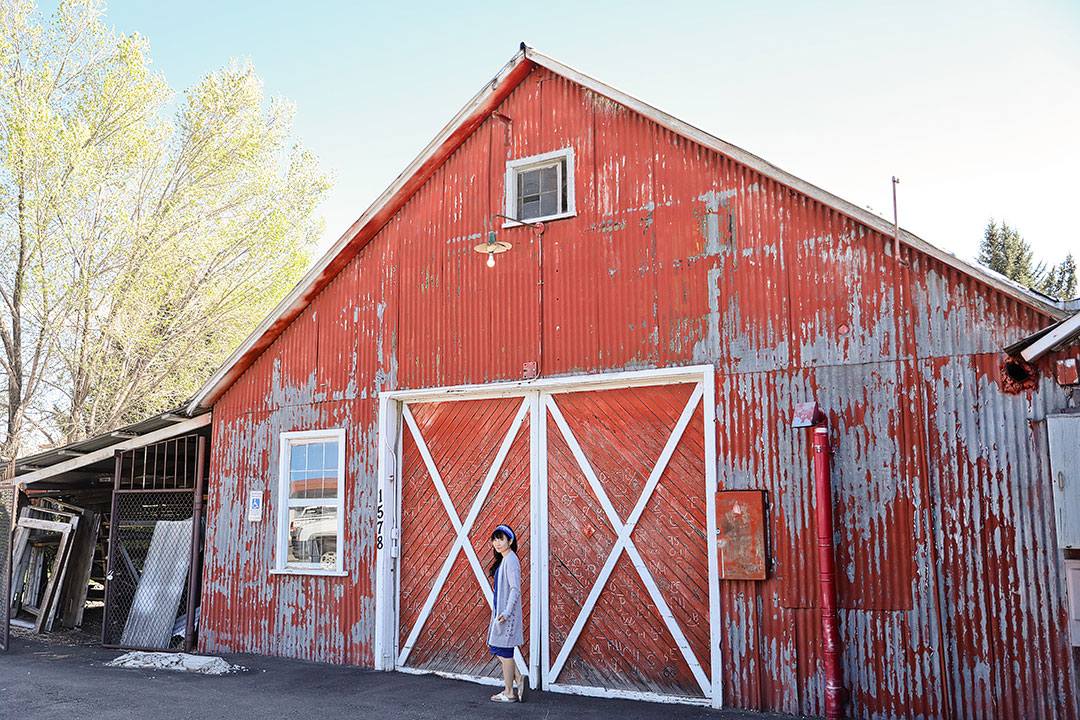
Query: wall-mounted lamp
x: 492, y: 247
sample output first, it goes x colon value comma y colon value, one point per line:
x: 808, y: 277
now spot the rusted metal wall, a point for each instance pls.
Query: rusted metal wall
x: 950, y: 588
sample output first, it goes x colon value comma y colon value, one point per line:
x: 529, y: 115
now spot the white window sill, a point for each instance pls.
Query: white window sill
x: 308, y: 571
x: 546, y: 218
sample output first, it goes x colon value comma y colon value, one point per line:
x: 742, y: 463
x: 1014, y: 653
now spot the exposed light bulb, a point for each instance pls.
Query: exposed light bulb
x: 491, y: 260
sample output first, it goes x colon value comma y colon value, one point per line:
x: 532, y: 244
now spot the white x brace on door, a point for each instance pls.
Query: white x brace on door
x: 462, y: 542
x: 625, y: 543
x: 606, y: 479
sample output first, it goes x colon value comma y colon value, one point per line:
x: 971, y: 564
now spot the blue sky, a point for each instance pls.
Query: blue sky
x: 974, y: 105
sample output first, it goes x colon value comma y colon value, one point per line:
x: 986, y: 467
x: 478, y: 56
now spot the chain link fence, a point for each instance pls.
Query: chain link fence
x: 149, y: 565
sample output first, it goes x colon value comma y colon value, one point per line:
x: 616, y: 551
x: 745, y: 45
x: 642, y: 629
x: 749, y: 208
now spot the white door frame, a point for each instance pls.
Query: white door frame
x: 390, y: 428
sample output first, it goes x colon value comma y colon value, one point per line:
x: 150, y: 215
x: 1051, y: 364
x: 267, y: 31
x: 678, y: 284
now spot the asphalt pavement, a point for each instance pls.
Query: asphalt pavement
x: 43, y: 680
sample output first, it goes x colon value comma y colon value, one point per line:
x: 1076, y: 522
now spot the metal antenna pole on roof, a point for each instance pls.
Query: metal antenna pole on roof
x: 896, y: 221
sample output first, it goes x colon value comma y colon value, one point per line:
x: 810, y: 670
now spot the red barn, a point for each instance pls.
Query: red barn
x: 633, y: 358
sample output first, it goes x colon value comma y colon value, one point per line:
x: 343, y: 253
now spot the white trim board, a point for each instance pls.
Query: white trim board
x: 286, y: 442
x: 569, y: 383
x: 641, y: 695
x: 524, y: 164
x: 711, y: 488
x: 538, y: 547
x: 388, y: 441
x: 479, y: 679
x: 1046, y: 343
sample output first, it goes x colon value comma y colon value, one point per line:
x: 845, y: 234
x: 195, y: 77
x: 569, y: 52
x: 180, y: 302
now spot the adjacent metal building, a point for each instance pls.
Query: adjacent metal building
x: 633, y: 355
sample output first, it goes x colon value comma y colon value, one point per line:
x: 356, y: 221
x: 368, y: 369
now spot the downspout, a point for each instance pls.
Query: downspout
x: 835, y: 694
x: 809, y: 415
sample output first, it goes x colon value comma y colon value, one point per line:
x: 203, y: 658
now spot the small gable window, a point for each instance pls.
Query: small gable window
x: 540, y: 187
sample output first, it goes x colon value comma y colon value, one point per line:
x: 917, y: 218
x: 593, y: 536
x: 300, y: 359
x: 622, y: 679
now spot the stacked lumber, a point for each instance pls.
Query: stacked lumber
x: 53, y: 552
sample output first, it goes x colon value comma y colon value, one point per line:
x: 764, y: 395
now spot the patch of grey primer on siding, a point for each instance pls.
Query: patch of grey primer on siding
x: 950, y: 319
x: 758, y: 349
x: 707, y: 349
x: 872, y: 333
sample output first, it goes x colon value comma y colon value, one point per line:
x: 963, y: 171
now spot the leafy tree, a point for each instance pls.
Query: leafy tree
x: 135, y: 251
x: 1004, y: 250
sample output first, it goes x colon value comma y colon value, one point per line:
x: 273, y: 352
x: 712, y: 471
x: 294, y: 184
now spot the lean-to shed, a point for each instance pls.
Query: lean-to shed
x: 642, y: 345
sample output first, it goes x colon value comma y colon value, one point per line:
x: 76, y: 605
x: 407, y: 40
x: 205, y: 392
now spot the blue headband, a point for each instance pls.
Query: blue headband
x: 506, y: 530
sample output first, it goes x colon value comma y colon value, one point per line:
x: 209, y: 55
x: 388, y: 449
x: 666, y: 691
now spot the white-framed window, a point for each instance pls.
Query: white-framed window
x: 541, y: 187
x: 311, y: 502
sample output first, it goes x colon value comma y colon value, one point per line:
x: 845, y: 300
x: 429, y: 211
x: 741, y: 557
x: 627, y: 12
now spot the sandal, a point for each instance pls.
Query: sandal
x: 523, y: 688
x: 503, y: 697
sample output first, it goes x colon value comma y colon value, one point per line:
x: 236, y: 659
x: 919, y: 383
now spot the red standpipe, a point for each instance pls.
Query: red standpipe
x: 835, y: 694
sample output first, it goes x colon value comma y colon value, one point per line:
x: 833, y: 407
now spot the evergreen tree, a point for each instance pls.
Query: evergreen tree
x: 1004, y: 250
x: 1060, y: 281
x: 1068, y: 266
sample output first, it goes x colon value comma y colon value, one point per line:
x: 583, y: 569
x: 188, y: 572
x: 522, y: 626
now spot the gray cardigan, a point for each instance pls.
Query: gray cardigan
x: 509, y: 632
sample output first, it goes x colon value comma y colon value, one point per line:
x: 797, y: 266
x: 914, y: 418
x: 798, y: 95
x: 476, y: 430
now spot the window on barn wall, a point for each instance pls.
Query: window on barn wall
x: 311, y: 514
x: 541, y: 187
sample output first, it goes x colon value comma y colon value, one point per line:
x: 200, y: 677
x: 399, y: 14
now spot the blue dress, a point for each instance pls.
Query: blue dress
x: 503, y: 652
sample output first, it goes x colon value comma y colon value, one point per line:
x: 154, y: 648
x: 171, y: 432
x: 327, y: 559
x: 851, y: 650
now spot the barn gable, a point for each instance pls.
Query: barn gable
x: 476, y: 116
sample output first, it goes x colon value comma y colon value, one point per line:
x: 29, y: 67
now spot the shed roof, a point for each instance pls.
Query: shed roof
x: 455, y: 133
x: 1052, y: 338
x: 95, y: 455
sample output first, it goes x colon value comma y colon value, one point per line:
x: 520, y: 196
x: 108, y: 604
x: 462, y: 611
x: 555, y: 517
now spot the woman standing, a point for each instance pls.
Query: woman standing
x: 505, y: 633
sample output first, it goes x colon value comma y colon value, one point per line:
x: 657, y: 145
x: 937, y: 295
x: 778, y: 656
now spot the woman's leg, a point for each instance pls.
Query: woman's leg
x: 508, y: 674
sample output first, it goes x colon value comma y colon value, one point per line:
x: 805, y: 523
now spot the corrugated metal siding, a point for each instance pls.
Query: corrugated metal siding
x: 998, y: 562
x: 247, y: 610
x: 324, y: 371
x: 953, y: 602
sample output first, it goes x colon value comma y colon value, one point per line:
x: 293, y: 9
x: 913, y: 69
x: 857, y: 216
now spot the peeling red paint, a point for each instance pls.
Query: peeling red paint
x: 1067, y: 371
x: 950, y: 599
